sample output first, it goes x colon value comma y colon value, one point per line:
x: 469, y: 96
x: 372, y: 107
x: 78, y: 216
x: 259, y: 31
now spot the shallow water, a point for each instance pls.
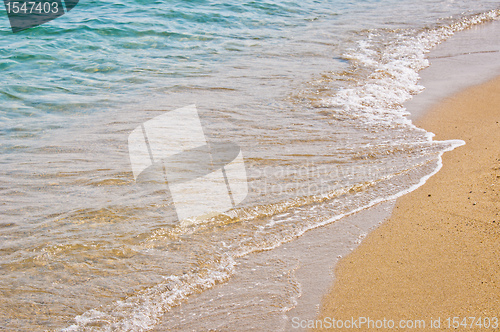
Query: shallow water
x: 312, y: 94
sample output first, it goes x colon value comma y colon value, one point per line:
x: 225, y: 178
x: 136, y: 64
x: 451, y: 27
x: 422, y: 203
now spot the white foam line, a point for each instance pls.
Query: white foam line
x: 142, y: 312
x: 423, y: 180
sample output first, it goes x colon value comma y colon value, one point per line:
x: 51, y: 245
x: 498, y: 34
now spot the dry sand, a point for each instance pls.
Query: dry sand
x: 439, y: 254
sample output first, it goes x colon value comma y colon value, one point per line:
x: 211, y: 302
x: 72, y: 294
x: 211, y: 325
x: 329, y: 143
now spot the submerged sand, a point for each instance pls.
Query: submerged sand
x: 439, y: 254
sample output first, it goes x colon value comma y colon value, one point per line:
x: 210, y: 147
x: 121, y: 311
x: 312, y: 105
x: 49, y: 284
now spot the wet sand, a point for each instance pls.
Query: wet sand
x: 438, y: 256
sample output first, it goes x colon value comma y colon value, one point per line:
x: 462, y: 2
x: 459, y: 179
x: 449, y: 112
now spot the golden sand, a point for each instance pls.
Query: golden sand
x: 439, y: 254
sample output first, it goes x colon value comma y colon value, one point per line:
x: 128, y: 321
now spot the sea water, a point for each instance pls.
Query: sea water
x: 312, y: 92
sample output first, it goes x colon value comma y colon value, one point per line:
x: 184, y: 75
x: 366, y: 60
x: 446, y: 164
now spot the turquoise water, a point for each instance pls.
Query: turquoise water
x: 108, y: 53
x: 311, y: 91
x: 104, y: 53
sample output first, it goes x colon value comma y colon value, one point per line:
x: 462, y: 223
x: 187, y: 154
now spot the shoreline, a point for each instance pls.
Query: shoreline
x: 437, y: 254
x: 475, y: 51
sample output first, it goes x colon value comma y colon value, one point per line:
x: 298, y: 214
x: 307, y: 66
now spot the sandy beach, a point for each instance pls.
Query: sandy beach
x: 205, y: 165
x: 438, y: 256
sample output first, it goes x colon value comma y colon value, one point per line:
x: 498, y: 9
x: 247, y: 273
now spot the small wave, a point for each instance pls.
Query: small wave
x: 143, y: 310
x: 392, y: 72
